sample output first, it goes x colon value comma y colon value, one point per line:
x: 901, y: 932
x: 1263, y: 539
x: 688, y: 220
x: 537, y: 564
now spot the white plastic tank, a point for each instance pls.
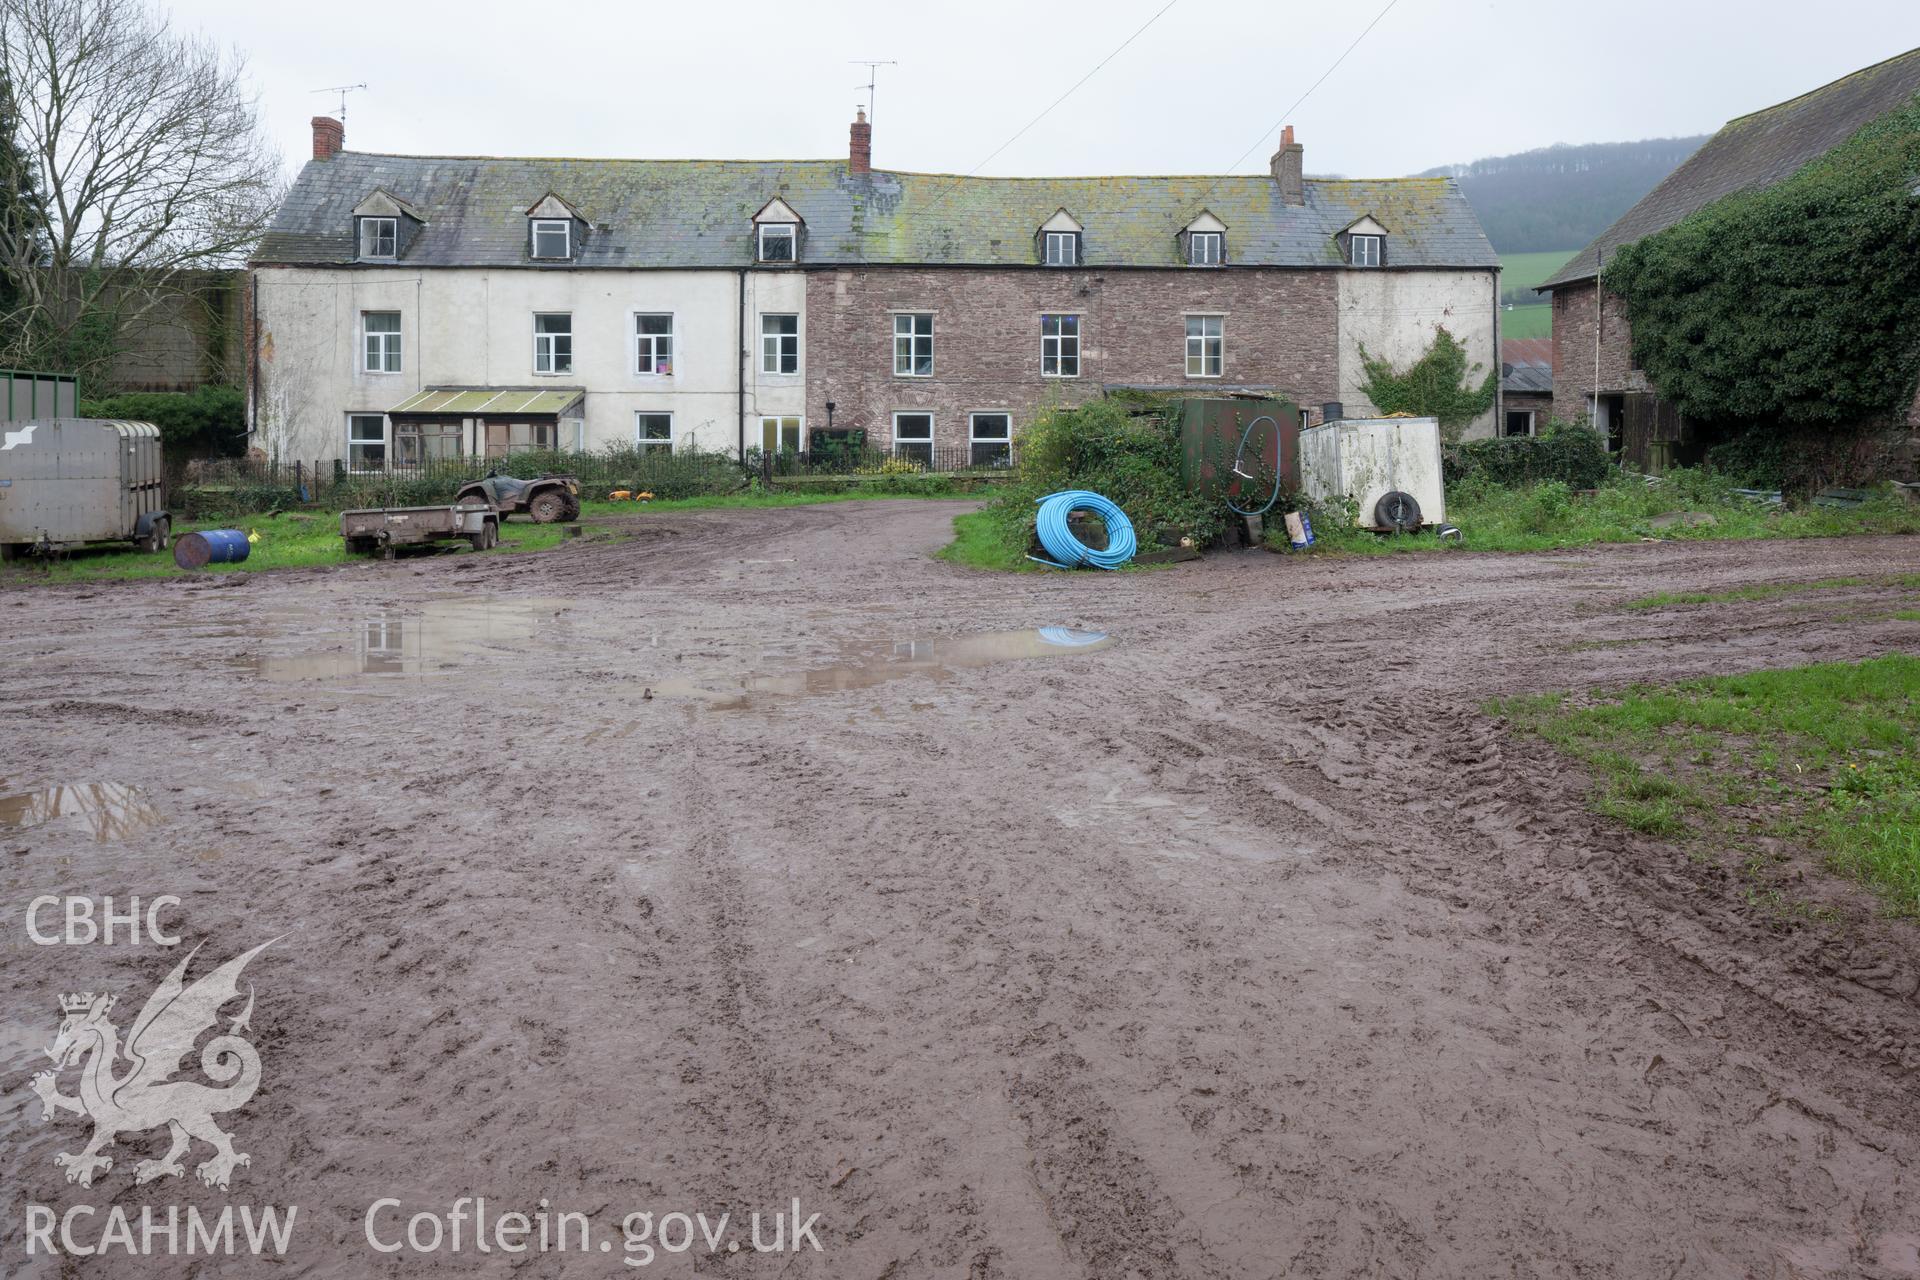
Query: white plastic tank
x: 1381, y: 464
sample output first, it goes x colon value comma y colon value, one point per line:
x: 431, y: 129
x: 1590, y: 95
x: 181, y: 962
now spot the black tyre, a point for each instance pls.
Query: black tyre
x: 1397, y: 511
x: 157, y: 536
x: 548, y: 506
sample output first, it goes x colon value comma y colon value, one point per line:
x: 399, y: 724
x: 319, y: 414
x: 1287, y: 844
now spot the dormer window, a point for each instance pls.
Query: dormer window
x: 552, y: 238
x: 777, y: 242
x: 776, y: 232
x: 1206, y: 248
x: 1363, y: 242
x: 384, y: 225
x: 1059, y: 240
x: 379, y: 237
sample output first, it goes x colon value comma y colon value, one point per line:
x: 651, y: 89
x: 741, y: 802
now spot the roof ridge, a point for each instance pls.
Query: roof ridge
x: 901, y: 173
x: 1819, y: 89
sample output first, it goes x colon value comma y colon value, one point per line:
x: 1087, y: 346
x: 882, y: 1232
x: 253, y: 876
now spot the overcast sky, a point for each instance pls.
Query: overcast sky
x: 1436, y: 81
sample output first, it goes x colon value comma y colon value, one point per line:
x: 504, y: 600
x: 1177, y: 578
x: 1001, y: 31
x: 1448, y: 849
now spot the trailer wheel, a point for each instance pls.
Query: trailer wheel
x: 1397, y: 511
x: 548, y: 506
x: 487, y: 538
x: 159, y: 534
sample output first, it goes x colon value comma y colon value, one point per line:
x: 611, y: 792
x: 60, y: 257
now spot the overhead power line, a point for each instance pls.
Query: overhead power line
x: 1072, y: 89
x: 1301, y: 100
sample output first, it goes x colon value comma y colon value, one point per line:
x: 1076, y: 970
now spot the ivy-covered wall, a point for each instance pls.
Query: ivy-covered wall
x: 1791, y: 307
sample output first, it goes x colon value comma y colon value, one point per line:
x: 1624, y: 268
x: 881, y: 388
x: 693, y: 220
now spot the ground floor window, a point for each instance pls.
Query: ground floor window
x: 990, y: 438
x: 1519, y: 422
x: 505, y: 438
x: 780, y: 435
x: 653, y: 432
x: 1205, y: 346
x: 913, y: 436
x: 418, y: 442
x: 366, y: 441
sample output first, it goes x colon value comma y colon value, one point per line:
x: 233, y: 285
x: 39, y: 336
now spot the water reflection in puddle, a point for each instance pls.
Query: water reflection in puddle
x: 868, y: 666
x: 112, y: 810
x: 442, y: 636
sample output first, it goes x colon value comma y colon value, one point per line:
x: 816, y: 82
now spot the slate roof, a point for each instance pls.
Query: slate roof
x: 1526, y: 377
x: 1756, y: 151
x: 698, y: 213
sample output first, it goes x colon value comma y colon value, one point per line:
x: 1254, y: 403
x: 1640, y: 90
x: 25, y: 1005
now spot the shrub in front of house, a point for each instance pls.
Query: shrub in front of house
x: 208, y: 423
x: 1134, y: 460
x: 1573, y: 455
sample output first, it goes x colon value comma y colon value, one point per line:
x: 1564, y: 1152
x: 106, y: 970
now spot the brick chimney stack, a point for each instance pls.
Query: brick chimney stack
x: 1288, y: 169
x: 860, y: 144
x: 329, y: 137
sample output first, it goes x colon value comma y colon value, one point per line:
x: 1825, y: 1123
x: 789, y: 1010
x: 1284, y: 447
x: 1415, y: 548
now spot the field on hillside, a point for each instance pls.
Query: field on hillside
x: 1531, y: 316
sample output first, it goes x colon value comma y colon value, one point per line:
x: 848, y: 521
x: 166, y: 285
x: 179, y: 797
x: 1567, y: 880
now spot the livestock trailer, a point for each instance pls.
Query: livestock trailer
x: 26, y: 396
x: 68, y: 481
x: 1388, y: 467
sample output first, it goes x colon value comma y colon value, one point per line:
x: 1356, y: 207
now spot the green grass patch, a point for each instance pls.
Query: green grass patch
x: 1531, y: 320
x: 1755, y: 591
x: 1532, y: 314
x: 1520, y: 272
x: 1824, y: 755
x: 305, y: 539
x: 980, y: 542
x: 284, y: 543
x: 1549, y: 516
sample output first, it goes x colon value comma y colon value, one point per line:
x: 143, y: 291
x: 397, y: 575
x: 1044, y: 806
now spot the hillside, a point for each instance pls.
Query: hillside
x: 1560, y: 197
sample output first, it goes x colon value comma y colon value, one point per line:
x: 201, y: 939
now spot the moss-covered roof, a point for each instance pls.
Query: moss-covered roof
x: 1757, y: 151
x: 698, y: 213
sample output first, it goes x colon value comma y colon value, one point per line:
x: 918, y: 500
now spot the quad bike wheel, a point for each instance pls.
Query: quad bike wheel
x: 548, y: 506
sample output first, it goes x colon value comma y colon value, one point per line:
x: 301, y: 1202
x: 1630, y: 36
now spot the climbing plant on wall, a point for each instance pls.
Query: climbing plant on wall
x: 1434, y: 386
x: 1792, y: 306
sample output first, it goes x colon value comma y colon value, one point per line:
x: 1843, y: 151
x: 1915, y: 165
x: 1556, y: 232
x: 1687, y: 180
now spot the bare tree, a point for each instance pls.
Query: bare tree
x: 138, y: 162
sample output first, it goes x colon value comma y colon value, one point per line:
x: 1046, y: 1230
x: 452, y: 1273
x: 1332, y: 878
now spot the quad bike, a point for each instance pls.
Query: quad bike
x: 547, y: 499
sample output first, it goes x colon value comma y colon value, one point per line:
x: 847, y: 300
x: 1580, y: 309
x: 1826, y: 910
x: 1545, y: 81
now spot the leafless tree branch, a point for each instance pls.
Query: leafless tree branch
x: 140, y: 160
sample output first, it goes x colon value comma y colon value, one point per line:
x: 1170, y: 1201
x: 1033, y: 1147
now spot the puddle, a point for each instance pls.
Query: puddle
x: 112, y: 810
x: 442, y: 636
x: 869, y: 665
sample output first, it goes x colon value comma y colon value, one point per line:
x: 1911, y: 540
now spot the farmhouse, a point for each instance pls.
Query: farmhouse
x: 1594, y: 372
x: 409, y: 307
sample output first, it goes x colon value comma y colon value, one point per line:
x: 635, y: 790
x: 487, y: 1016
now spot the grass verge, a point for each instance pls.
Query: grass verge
x: 1550, y: 516
x: 1764, y: 591
x: 980, y: 543
x: 1823, y: 756
x: 305, y: 539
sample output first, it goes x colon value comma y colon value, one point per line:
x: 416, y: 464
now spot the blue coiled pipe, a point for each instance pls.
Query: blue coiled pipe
x: 1069, y: 552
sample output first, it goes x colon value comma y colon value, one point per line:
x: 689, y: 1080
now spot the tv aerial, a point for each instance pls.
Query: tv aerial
x: 343, y: 90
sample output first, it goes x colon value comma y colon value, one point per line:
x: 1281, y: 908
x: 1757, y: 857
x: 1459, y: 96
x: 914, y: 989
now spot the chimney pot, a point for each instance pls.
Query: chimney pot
x: 860, y: 144
x: 329, y: 137
x: 1288, y: 169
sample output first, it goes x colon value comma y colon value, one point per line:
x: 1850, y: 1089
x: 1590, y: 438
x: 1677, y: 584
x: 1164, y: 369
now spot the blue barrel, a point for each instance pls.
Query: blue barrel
x: 215, y: 546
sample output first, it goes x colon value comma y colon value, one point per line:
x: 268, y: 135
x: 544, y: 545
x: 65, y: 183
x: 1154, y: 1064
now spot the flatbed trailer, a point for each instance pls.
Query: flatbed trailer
x: 382, y: 531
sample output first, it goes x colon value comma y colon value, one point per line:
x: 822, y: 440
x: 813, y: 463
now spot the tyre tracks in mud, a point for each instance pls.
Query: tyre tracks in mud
x: 1249, y: 946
